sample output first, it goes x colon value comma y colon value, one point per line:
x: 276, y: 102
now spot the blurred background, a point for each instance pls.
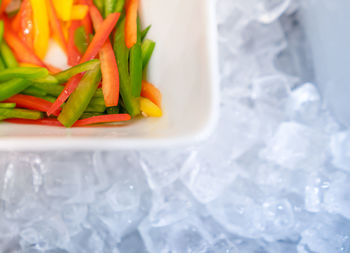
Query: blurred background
x: 273, y: 178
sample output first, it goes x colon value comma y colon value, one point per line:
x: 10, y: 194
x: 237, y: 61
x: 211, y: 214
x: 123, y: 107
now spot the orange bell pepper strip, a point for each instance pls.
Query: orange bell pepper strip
x: 152, y: 93
x: 41, y: 27
x: 56, y: 25
x: 22, y: 52
x: 131, y: 23
x: 95, y: 46
x: 3, y: 6
x: 32, y: 103
x: 109, y: 67
x: 16, y: 21
x: 74, y: 55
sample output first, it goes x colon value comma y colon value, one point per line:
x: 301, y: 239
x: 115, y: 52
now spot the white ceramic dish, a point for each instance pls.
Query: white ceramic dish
x: 184, y: 67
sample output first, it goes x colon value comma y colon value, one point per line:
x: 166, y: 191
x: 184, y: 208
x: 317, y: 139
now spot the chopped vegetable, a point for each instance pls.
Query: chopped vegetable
x: 147, y: 49
x: 74, y: 55
x: 56, y: 25
x: 122, y: 54
x: 20, y: 114
x: 7, y: 105
x: 131, y: 23
x: 30, y: 102
x: 150, y: 109
x: 41, y: 27
x: 109, y: 67
x: 152, y: 93
x: 25, y: 73
x: 13, y: 87
x: 79, y: 11
x: 64, y: 9
x: 136, y: 66
x: 81, y: 97
x: 81, y: 39
x: 33, y: 91
x: 26, y: 27
x: 7, y: 55
x: 103, y: 119
x: 145, y: 32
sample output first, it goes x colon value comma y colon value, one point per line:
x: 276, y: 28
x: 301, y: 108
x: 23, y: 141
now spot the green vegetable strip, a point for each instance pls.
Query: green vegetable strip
x: 7, y: 55
x: 33, y: 91
x: 109, y: 7
x: 80, y: 98
x: 64, y: 76
x: 81, y: 39
x: 2, y: 118
x: 136, y: 64
x: 119, y: 5
x: 22, y: 72
x: 7, y: 105
x: 122, y: 52
x: 20, y: 114
x: 97, y: 102
x: 113, y: 110
x: 46, y: 80
x: 49, y: 98
x: 90, y: 114
x: 147, y: 49
x: 2, y: 64
x: 13, y: 87
x: 100, y: 5
x: 51, y: 89
x: 145, y: 32
x: 95, y: 108
x: 2, y: 28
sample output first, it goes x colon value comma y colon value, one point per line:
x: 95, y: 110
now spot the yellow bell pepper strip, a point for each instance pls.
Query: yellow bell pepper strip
x: 152, y: 93
x: 41, y: 27
x: 64, y: 9
x: 109, y: 67
x: 101, y: 36
x: 149, y: 109
x: 56, y: 25
x: 81, y: 97
x: 131, y: 23
x: 79, y: 11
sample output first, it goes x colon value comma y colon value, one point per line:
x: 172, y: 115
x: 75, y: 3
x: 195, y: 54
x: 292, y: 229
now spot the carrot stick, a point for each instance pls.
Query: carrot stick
x: 131, y: 23
x: 152, y: 93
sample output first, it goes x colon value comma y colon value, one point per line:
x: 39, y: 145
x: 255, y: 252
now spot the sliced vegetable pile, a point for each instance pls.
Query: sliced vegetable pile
x: 105, y: 47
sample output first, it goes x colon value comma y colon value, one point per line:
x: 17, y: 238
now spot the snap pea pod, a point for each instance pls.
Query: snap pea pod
x: 145, y: 32
x: 122, y: 53
x: 7, y: 105
x: 33, y: 91
x: 13, y: 87
x: 147, y: 49
x: 20, y: 114
x: 80, y: 98
x: 23, y: 72
x: 64, y: 76
x: 81, y: 39
x: 8, y: 56
x: 136, y: 64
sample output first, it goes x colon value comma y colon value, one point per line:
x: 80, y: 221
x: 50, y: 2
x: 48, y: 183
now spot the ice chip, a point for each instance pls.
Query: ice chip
x: 340, y: 148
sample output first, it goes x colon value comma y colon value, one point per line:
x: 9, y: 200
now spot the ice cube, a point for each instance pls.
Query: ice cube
x: 296, y: 146
x: 328, y: 233
x: 86, y: 241
x: 340, y: 148
x: 132, y: 243
x: 73, y: 216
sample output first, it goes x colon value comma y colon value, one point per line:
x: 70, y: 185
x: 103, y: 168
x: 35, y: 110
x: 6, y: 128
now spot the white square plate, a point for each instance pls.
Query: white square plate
x: 184, y: 67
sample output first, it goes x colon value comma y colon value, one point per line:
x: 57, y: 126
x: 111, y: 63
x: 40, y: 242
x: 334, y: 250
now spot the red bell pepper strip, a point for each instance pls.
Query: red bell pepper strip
x: 44, y: 122
x: 95, y: 46
x: 131, y: 23
x: 32, y: 103
x: 56, y: 25
x: 22, y: 52
x: 102, y: 119
x: 74, y: 55
x: 80, y: 123
x: 109, y: 67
